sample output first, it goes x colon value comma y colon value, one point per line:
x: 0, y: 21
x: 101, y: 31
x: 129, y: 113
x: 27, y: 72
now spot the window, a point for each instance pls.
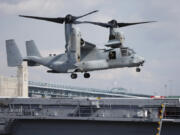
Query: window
x: 124, y: 51
x: 112, y: 37
x: 112, y: 55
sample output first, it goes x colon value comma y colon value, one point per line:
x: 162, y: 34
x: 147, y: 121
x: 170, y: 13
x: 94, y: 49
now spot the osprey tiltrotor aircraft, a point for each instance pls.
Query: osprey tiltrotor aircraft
x: 80, y: 55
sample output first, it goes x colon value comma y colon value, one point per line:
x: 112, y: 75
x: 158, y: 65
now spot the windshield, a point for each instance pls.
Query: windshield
x: 127, y: 52
x: 132, y: 51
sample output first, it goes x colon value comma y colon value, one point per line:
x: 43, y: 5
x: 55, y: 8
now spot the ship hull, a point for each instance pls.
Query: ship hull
x: 82, y: 127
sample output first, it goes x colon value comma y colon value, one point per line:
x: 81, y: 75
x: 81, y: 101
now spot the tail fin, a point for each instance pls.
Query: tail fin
x: 31, y: 49
x: 14, y: 57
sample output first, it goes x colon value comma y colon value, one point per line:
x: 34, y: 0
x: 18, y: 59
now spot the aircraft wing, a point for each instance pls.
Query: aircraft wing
x: 86, y: 49
x: 114, y: 44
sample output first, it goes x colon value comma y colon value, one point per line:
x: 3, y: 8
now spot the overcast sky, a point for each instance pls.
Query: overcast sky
x: 158, y: 42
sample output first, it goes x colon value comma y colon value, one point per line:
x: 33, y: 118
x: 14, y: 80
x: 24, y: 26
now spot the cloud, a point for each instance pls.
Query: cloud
x: 90, y: 3
x: 101, y: 18
x: 31, y: 6
x: 43, y: 7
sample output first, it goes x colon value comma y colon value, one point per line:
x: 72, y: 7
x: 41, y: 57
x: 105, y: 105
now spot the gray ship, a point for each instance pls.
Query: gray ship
x: 89, y: 116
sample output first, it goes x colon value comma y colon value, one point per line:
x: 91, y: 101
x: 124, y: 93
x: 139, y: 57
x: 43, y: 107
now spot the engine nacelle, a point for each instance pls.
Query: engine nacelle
x: 75, y: 44
x: 115, y: 34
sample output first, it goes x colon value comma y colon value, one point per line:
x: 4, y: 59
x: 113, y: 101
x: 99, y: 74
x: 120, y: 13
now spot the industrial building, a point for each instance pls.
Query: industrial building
x: 15, y: 86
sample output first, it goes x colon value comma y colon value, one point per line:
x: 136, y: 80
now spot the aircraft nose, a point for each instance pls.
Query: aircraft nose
x: 139, y: 60
x: 142, y: 60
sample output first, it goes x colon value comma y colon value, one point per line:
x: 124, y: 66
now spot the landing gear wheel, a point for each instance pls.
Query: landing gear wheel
x: 73, y: 76
x: 138, y: 70
x: 86, y: 75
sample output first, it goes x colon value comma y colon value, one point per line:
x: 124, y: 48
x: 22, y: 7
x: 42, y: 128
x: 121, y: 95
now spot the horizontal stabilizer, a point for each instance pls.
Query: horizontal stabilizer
x: 14, y: 57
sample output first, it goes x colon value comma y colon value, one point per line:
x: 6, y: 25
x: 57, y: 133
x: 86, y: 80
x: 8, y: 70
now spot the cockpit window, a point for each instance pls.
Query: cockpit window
x: 132, y: 51
x: 129, y: 53
x: 126, y: 52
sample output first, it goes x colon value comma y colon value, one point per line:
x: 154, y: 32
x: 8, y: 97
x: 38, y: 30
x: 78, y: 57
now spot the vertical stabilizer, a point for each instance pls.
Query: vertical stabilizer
x: 31, y: 49
x: 14, y: 57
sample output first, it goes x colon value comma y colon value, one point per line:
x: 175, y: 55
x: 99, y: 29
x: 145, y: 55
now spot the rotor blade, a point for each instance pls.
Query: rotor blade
x: 56, y: 20
x: 77, y: 22
x: 87, y: 14
x: 128, y: 24
x: 106, y: 25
